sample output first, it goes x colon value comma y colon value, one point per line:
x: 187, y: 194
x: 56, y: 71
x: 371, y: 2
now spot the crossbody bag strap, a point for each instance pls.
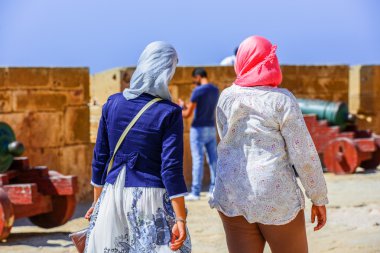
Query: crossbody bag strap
x: 130, y: 125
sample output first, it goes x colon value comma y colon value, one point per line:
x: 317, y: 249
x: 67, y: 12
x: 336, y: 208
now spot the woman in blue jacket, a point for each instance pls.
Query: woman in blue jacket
x: 139, y: 204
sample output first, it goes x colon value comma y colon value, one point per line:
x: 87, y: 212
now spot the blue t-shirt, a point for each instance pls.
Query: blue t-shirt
x: 206, y: 96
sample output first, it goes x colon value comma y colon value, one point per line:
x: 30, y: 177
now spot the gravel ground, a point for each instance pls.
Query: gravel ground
x: 353, y: 223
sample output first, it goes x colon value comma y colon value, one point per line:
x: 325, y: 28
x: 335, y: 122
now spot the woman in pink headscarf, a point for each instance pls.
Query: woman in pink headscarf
x: 263, y: 135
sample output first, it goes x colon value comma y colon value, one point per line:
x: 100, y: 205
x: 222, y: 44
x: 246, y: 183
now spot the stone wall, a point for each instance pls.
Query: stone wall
x: 322, y: 82
x: 48, y: 110
x: 55, y: 111
x: 365, y: 96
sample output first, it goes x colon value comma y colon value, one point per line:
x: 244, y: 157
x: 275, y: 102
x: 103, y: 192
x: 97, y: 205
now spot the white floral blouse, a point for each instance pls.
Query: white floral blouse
x: 263, y: 134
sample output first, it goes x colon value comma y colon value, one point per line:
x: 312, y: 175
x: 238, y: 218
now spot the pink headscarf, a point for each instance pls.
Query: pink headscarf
x: 257, y: 64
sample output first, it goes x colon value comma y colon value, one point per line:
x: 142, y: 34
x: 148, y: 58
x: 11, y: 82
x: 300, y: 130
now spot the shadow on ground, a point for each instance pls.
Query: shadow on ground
x: 48, y: 239
x: 56, y: 237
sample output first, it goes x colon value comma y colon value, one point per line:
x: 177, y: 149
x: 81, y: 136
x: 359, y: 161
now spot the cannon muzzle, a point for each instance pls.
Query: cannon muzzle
x: 9, y: 147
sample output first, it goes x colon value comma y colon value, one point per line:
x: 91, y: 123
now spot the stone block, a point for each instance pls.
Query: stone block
x: 29, y: 78
x: 5, y: 101
x: 20, y: 125
x: 72, y: 78
x: 75, y: 160
x: 95, y: 114
x: 125, y: 77
x: 365, y: 90
x: 289, y: 70
x: 186, y: 75
x: 104, y: 85
x: 44, y: 156
x: 69, y: 78
x: 187, y: 162
x: 185, y: 90
x: 179, y: 75
x: 46, y: 129
x: 76, y: 97
x: 77, y: 125
x: 25, y: 100
x: 187, y: 124
x: 3, y: 78
x: 173, y: 89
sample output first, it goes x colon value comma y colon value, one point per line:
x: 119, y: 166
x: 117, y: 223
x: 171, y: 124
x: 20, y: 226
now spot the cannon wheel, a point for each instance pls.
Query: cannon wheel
x: 341, y: 156
x: 373, y: 162
x: 6, y: 215
x: 63, y: 210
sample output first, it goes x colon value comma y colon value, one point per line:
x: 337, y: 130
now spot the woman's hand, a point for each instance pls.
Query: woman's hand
x: 89, y: 213
x: 97, y: 192
x: 320, y: 213
x: 178, y: 236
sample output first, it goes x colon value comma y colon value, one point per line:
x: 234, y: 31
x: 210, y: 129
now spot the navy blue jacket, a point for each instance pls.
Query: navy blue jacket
x: 152, y: 151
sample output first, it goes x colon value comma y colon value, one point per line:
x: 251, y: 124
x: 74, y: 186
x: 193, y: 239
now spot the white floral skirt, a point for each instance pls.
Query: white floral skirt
x: 132, y: 220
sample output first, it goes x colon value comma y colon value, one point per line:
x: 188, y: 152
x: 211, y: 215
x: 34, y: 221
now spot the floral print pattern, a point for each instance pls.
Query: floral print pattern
x: 132, y: 220
x: 263, y: 134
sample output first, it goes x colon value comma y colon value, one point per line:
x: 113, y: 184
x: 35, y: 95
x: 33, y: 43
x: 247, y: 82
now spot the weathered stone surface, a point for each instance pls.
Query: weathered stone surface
x: 95, y: 114
x: 77, y: 125
x: 365, y: 96
x: 75, y: 160
x: 173, y: 89
x: 20, y: 124
x: 28, y: 77
x: 3, y: 78
x: 69, y: 78
x: 179, y: 75
x: 25, y: 100
x: 187, y: 162
x: 72, y: 78
x: 5, y: 101
x: 104, y: 85
x: 46, y: 129
x: 76, y: 97
x: 125, y: 78
x: 45, y: 156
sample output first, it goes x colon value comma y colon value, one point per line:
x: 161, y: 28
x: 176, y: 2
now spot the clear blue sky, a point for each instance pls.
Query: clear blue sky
x: 103, y: 34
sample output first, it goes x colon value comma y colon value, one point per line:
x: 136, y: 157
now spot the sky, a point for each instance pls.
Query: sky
x: 102, y: 34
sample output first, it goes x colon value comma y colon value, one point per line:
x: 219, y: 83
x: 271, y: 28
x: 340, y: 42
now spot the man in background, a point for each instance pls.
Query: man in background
x: 203, y: 132
x: 229, y: 60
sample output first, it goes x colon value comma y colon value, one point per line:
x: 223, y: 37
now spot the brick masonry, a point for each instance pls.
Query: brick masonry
x: 48, y: 110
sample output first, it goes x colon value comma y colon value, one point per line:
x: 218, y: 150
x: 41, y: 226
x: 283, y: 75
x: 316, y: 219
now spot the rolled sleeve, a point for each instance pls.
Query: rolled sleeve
x: 172, y: 155
x: 101, y: 152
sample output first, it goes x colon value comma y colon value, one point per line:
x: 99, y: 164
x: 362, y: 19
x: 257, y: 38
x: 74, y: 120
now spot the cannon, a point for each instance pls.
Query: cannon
x: 340, y: 144
x: 45, y: 197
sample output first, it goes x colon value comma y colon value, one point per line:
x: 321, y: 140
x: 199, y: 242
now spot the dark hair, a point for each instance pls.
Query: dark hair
x: 199, y: 72
x: 236, y: 50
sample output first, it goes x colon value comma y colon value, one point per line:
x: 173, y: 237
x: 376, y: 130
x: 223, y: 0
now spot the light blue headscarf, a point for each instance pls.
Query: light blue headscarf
x: 155, y: 69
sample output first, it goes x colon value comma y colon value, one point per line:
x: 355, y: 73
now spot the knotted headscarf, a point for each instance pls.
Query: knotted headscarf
x: 155, y: 69
x: 257, y: 64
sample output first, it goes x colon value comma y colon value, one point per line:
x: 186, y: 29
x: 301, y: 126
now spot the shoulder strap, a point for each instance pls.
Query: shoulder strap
x: 130, y: 125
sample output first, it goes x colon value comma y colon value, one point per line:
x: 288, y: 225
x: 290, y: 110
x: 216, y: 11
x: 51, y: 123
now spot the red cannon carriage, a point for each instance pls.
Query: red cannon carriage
x: 342, y: 147
x: 44, y: 196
